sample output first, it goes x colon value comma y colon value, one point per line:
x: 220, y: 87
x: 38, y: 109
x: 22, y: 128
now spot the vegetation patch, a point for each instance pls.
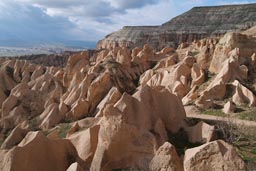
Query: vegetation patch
x: 248, y: 115
x: 214, y: 112
x: 64, y: 127
x: 243, y: 138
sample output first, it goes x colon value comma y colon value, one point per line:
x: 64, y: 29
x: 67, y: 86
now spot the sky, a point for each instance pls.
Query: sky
x: 87, y: 20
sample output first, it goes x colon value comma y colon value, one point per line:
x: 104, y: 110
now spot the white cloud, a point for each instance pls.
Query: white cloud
x: 93, y: 19
x: 105, y: 16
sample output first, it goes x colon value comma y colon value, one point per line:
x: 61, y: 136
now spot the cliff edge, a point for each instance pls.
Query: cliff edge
x: 195, y: 24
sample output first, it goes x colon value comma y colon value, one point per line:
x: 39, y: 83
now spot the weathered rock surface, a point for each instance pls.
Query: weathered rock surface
x: 166, y: 159
x: 36, y: 152
x: 213, y: 156
x: 201, y: 133
x: 128, y: 135
x: 229, y: 107
x: 185, y: 28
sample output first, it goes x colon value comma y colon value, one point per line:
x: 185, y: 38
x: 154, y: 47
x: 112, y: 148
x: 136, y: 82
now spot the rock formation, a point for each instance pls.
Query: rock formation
x: 213, y: 156
x: 197, y: 23
x: 122, y: 109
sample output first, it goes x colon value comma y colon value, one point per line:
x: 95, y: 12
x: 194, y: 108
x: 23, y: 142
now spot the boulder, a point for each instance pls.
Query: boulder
x: 201, y: 133
x: 166, y: 159
x: 86, y: 142
x: 36, y: 152
x: 243, y: 95
x: 229, y: 107
x: 213, y: 156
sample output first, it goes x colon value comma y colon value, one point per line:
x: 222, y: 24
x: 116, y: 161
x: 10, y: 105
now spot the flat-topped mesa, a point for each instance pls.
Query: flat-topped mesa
x: 130, y: 36
x: 197, y: 23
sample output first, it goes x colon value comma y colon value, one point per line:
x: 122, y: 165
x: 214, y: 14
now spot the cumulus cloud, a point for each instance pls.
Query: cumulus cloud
x: 85, y: 19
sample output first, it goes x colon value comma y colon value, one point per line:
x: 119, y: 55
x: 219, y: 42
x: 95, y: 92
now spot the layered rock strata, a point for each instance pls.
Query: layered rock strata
x: 197, y: 23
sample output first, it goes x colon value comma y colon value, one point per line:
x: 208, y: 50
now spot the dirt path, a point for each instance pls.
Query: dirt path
x: 193, y: 112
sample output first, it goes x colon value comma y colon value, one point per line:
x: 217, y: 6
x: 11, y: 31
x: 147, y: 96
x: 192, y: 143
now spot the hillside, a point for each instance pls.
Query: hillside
x: 197, y: 23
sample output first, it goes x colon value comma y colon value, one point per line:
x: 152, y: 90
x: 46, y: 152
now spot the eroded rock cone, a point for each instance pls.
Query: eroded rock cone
x: 127, y: 135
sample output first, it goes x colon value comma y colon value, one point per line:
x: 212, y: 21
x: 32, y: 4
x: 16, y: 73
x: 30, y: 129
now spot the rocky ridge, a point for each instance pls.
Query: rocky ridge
x: 197, y: 23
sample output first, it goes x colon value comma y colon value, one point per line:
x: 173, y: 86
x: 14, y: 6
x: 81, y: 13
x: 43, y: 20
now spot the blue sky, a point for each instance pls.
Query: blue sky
x: 90, y: 20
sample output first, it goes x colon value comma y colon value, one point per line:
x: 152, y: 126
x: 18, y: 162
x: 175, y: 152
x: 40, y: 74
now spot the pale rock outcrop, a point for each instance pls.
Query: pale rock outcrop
x: 217, y: 89
x: 111, y: 98
x: 205, y: 54
x: 253, y: 58
x: 98, y: 90
x: 180, y: 89
x: 50, y: 117
x: 124, y: 57
x: 243, y: 95
x: 232, y: 44
x: 126, y: 136
x: 79, y: 109
x: 197, y: 75
x: 101, y: 55
x: 2, y: 97
x: 177, y: 77
x: 167, y: 50
x: 7, y: 81
x: 36, y: 152
x: 166, y: 62
x: 86, y: 142
x: 191, y: 95
x: 166, y: 159
x: 213, y: 156
x: 135, y: 51
x: 144, y: 55
x: 75, y: 64
x: 201, y: 133
x: 229, y: 107
x: 15, y: 137
x: 75, y: 167
x: 146, y: 77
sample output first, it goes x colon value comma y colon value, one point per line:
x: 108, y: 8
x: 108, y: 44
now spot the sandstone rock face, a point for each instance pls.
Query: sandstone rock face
x: 243, y: 95
x: 166, y: 159
x: 184, y: 28
x: 213, y: 156
x: 36, y: 152
x: 15, y: 137
x: 229, y: 107
x: 231, y: 45
x: 201, y: 133
x: 125, y: 135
